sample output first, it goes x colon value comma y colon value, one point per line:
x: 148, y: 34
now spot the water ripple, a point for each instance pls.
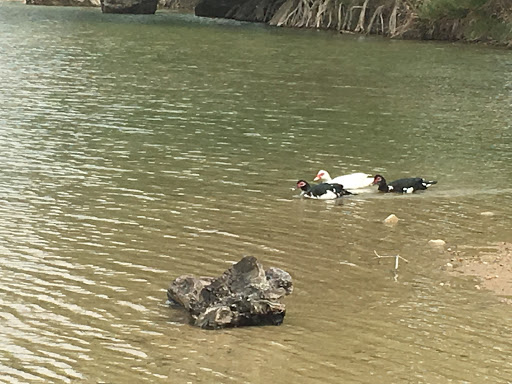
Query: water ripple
x: 115, y: 179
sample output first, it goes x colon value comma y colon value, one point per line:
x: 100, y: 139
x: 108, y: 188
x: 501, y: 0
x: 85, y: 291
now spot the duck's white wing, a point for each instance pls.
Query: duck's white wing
x: 353, y: 180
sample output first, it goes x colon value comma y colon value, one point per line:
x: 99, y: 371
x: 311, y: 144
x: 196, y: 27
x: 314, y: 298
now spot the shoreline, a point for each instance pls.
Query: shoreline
x: 490, y: 265
x: 432, y: 20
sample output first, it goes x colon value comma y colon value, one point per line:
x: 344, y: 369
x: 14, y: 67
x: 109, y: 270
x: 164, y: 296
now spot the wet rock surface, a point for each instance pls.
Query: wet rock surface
x: 215, y: 8
x: 245, y: 294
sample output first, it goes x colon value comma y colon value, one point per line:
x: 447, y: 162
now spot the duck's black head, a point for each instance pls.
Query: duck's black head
x: 379, y: 179
x: 381, y: 182
x: 303, y: 184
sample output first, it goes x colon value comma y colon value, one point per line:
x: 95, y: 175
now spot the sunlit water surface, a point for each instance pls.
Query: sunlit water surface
x: 135, y: 149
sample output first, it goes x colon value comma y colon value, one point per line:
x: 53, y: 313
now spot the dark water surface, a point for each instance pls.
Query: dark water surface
x: 135, y: 149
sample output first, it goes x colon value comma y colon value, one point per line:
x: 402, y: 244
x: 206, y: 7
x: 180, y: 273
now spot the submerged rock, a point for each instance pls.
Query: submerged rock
x: 437, y: 243
x: 245, y: 294
x: 391, y: 220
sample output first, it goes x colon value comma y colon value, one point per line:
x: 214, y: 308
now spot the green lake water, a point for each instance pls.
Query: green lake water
x: 135, y: 149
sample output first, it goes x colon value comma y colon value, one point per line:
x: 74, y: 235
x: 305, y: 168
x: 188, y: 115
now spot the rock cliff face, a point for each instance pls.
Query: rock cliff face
x: 484, y: 20
x: 181, y: 5
x: 361, y: 16
x: 217, y: 8
x: 129, y: 6
x: 72, y: 3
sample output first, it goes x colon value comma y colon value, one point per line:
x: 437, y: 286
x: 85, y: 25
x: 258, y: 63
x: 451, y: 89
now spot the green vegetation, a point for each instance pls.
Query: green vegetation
x: 471, y: 20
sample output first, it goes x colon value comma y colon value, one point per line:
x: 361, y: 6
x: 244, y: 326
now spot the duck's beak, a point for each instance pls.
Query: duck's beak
x: 316, y: 178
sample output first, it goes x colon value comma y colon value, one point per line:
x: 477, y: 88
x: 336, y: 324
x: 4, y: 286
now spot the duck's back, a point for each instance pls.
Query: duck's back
x: 410, y: 184
x: 326, y: 191
x: 353, y: 180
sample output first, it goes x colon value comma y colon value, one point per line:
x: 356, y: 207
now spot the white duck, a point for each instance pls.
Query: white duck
x: 350, y: 181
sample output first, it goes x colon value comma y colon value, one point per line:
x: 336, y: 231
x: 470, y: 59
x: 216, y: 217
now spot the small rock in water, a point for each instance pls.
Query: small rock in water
x: 244, y: 294
x: 437, y: 243
x: 391, y: 219
x: 487, y: 213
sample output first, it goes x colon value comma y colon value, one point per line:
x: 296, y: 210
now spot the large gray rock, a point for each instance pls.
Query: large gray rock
x: 129, y: 6
x: 243, y: 295
x: 243, y: 10
x: 72, y: 3
x: 215, y: 8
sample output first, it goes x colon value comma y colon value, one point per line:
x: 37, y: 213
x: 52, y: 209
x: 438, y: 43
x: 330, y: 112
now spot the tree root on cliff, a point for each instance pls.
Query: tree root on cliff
x: 377, y: 14
x: 382, y: 17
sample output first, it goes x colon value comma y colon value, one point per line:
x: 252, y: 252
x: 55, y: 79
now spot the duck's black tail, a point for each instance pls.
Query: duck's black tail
x: 428, y: 183
x: 340, y: 190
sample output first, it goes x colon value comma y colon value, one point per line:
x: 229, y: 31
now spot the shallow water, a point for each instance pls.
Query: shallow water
x: 139, y: 148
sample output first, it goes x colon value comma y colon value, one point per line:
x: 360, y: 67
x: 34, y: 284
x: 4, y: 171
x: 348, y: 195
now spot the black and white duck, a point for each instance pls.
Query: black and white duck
x: 323, y: 191
x: 406, y: 185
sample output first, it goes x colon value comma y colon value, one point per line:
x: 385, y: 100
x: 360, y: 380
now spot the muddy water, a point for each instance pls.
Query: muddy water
x: 137, y: 148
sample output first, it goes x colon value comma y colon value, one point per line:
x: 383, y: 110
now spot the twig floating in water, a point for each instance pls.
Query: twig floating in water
x: 395, y: 256
x: 347, y: 263
x: 395, y: 274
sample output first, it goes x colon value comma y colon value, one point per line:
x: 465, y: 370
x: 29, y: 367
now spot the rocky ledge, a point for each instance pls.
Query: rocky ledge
x: 245, y: 294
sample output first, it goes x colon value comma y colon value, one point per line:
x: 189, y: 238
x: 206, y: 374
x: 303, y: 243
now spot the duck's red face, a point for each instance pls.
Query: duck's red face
x: 301, y: 184
x: 319, y: 176
x: 377, y: 179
